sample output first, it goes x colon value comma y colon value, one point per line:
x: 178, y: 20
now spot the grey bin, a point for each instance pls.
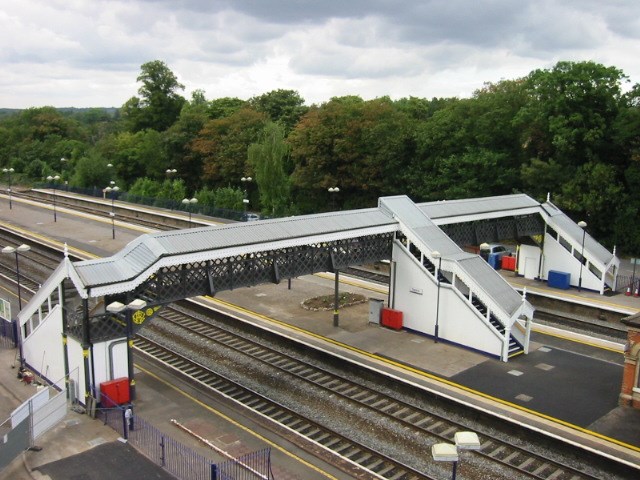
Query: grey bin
x: 375, y: 310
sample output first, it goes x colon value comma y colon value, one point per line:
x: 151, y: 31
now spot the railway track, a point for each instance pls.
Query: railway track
x: 342, y: 393
x: 491, y: 450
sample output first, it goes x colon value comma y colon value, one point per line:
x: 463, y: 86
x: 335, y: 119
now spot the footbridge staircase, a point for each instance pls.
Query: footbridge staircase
x: 441, y: 282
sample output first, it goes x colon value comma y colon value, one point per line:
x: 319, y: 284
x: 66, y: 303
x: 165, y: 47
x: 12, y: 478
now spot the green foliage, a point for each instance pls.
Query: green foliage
x: 267, y: 159
x: 282, y: 106
x: 229, y: 198
x: 222, y: 146
x: 224, y: 107
x: 91, y: 171
x: 159, y: 103
x: 360, y: 147
x: 567, y: 130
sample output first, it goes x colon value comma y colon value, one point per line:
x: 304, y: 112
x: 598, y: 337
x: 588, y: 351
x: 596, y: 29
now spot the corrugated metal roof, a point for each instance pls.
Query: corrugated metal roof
x: 490, y: 281
x: 471, y: 206
x: 144, y: 251
x: 433, y: 238
x: 573, y: 230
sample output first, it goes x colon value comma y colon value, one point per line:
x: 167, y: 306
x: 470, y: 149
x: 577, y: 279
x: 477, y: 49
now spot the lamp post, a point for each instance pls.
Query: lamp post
x: 187, y: 203
x: 8, y: 172
x: 112, y: 190
x: 333, y: 191
x: 54, y: 179
x: 583, y: 225
x: 16, y: 251
x: 133, y: 306
x: 245, y: 203
x: 246, y: 181
x: 436, y: 254
x: 63, y: 163
x: 170, y: 171
x: 447, y: 452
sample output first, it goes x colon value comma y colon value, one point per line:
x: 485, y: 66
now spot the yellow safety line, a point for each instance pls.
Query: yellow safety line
x: 577, y: 340
x: 428, y: 375
x: 580, y: 299
x: 46, y: 239
x: 236, y: 424
x: 397, y: 364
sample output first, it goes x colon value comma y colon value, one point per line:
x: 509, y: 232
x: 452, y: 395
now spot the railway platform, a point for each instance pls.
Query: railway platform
x: 567, y: 386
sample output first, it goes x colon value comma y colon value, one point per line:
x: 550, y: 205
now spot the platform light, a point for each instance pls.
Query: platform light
x: 54, y: 179
x: 438, y: 255
x: 112, y: 189
x: 334, y: 192
x: 133, y: 306
x: 447, y: 452
x: 583, y: 225
x: 8, y: 172
x: 187, y: 202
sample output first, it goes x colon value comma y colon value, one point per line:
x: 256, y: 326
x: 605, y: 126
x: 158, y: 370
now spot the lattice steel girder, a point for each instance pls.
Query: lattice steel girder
x: 494, y: 230
x: 206, y: 278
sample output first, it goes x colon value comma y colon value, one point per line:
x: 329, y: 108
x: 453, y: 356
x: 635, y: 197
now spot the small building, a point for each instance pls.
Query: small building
x: 630, y: 393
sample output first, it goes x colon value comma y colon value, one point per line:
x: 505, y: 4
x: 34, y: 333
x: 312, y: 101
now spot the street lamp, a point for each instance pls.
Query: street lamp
x: 583, y: 225
x: 438, y: 255
x: 170, y: 171
x: 54, y: 179
x: 246, y: 181
x: 63, y: 163
x: 187, y: 203
x: 133, y: 306
x: 447, y: 452
x: 113, y: 190
x: 333, y: 191
x: 17, y: 250
x: 8, y: 172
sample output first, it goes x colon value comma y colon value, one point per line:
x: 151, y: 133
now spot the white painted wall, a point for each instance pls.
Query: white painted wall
x: 105, y: 367
x: 43, y: 349
x: 458, y: 321
x: 529, y: 261
x: 564, y: 261
x: 76, y: 364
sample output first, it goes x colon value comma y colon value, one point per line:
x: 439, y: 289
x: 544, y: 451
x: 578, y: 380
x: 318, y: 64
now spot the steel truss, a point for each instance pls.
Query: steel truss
x: 495, y: 230
x: 177, y: 282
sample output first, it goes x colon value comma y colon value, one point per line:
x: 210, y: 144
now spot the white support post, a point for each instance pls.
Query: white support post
x: 505, y: 344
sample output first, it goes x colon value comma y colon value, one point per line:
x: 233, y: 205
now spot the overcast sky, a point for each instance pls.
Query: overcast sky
x: 88, y: 53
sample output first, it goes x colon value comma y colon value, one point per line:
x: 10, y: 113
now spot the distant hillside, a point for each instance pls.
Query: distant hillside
x: 71, y: 111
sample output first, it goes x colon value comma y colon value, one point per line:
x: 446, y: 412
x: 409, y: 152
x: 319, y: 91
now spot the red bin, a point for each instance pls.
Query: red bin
x: 114, y: 392
x: 392, y: 318
x: 509, y: 263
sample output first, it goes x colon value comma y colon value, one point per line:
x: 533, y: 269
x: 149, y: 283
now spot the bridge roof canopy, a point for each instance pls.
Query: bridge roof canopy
x: 209, y: 243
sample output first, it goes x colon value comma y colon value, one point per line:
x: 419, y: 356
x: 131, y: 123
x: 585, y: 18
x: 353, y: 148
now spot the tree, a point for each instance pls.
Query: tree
x: 267, y: 159
x: 159, y: 103
x: 361, y: 147
x: 222, y: 146
x: 283, y: 106
x: 224, y: 107
x: 177, y: 140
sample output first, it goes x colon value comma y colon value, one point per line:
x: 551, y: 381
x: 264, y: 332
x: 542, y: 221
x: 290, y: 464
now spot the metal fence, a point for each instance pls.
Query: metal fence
x: 8, y: 333
x: 29, y: 421
x: 627, y: 283
x: 256, y: 465
x: 166, y: 203
x: 178, y: 459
